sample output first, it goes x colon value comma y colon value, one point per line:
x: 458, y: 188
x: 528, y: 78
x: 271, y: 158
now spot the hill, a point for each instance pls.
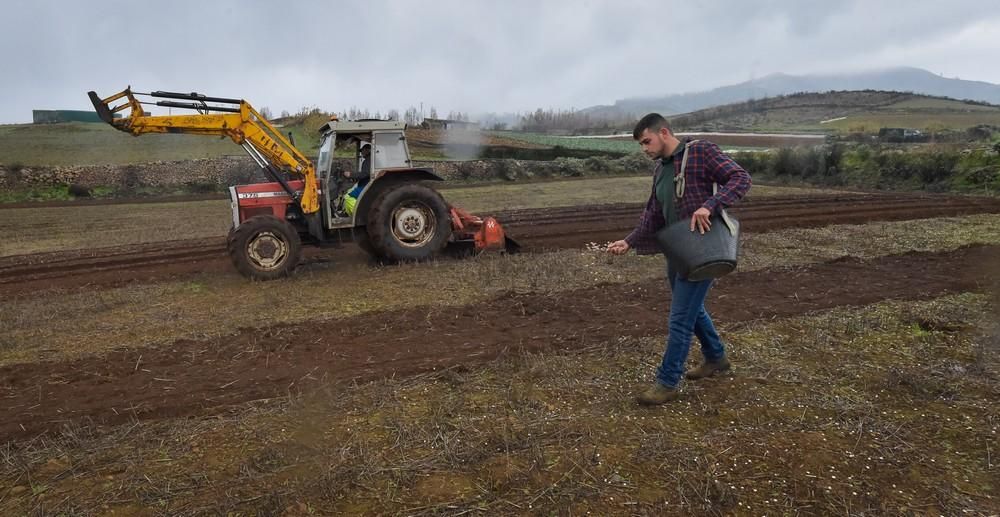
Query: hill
x: 902, y: 79
x: 844, y: 111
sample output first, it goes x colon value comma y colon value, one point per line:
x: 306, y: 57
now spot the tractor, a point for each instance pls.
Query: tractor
x: 395, y: 216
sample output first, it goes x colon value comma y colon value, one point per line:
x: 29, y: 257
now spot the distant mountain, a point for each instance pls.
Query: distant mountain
x: 903, y: 79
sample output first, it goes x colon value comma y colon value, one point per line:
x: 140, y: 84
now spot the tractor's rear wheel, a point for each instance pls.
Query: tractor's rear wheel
x: 411, y: 222
x: 264, y: 248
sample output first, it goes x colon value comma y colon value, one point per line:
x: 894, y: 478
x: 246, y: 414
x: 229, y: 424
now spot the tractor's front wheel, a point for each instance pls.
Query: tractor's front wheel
x: 264, y: 248
x: 411, y: 222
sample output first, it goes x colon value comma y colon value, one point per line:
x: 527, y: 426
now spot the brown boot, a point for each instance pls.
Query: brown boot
x: 708, y: 369
x: 658, y: 394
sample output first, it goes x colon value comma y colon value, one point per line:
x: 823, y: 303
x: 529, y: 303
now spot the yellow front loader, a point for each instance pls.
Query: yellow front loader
x: 236, y: 120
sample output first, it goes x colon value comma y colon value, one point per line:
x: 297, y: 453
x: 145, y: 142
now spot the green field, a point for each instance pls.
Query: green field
x: 927, y: 121
x: 81, y: 143
x: 935, y: 103
x: 613, y: 145
x: 929, y: 114
x: 624, y: 145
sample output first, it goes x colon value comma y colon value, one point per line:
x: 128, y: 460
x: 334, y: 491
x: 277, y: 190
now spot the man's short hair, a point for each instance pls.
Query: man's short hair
x: 653, y: 122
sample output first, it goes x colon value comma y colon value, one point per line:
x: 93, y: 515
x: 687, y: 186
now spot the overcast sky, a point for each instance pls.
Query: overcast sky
x: 467, y: 55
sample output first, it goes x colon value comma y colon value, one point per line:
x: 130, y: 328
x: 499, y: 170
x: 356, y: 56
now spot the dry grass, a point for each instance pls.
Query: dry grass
x: 809, y: 245
x: 632, y: 189
x: 81, y: 143
x: 56, y: 325
x: 35, y: 230
x: 885, y: 409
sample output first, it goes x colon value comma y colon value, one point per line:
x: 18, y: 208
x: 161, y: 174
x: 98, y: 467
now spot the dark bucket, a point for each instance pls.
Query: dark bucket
x: 698, y: 257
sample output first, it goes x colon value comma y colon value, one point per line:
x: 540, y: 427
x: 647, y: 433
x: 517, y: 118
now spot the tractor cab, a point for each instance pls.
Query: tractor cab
x: 389, y: 153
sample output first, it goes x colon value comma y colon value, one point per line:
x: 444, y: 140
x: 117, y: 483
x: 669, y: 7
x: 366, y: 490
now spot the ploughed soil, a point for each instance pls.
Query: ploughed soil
x: 191, y: 378
x: 535, y: 229
x: 575, y: 226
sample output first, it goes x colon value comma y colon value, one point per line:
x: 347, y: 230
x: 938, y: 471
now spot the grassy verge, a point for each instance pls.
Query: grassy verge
x: 630, y: 189
x: 67, y: 193
x: 57, y: 325
x: 64, y: 193
x: 931, y: 168
x: 49, y: 193
x: 809, y: 245
x: 881, y: 409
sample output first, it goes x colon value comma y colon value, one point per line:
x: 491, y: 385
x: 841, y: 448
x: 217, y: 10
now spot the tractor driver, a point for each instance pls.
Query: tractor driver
x: 365, y: 171
x: 362, y: 176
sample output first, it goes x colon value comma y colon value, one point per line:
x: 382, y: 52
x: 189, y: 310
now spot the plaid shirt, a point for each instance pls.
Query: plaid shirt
x: 706, y: 166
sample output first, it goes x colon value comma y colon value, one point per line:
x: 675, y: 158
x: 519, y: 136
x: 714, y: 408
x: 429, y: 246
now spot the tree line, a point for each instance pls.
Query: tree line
x: 411, y: 116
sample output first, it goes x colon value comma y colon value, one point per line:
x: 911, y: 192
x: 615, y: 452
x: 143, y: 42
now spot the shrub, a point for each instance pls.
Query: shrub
x: 597, y: 164
x: 784, y: 162
x: 13, y: 174
x: 757, y: 164
x: 936, y: 167
x: 129, y: 181
x: 77, y: 190
x: 834, y: 157
x: 465, y: 170
x: 569, y: 167
x: 202, y: 187
x: 503, y: 169
x: 635, y: 162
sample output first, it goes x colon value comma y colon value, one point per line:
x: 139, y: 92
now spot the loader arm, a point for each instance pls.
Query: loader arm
x: 235, y: 119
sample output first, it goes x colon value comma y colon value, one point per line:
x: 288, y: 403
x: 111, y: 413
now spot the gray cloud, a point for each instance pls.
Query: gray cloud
x: 466, y: 55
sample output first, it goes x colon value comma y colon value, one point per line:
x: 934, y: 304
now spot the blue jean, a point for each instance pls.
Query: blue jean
x: 687, y: 317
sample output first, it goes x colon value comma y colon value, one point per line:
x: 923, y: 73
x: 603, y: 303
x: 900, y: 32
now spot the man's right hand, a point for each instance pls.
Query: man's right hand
x: 618, y: 247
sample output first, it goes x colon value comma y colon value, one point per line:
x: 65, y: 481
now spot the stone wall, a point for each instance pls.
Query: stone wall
x: 239, y: 170
x: 216, y: 171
